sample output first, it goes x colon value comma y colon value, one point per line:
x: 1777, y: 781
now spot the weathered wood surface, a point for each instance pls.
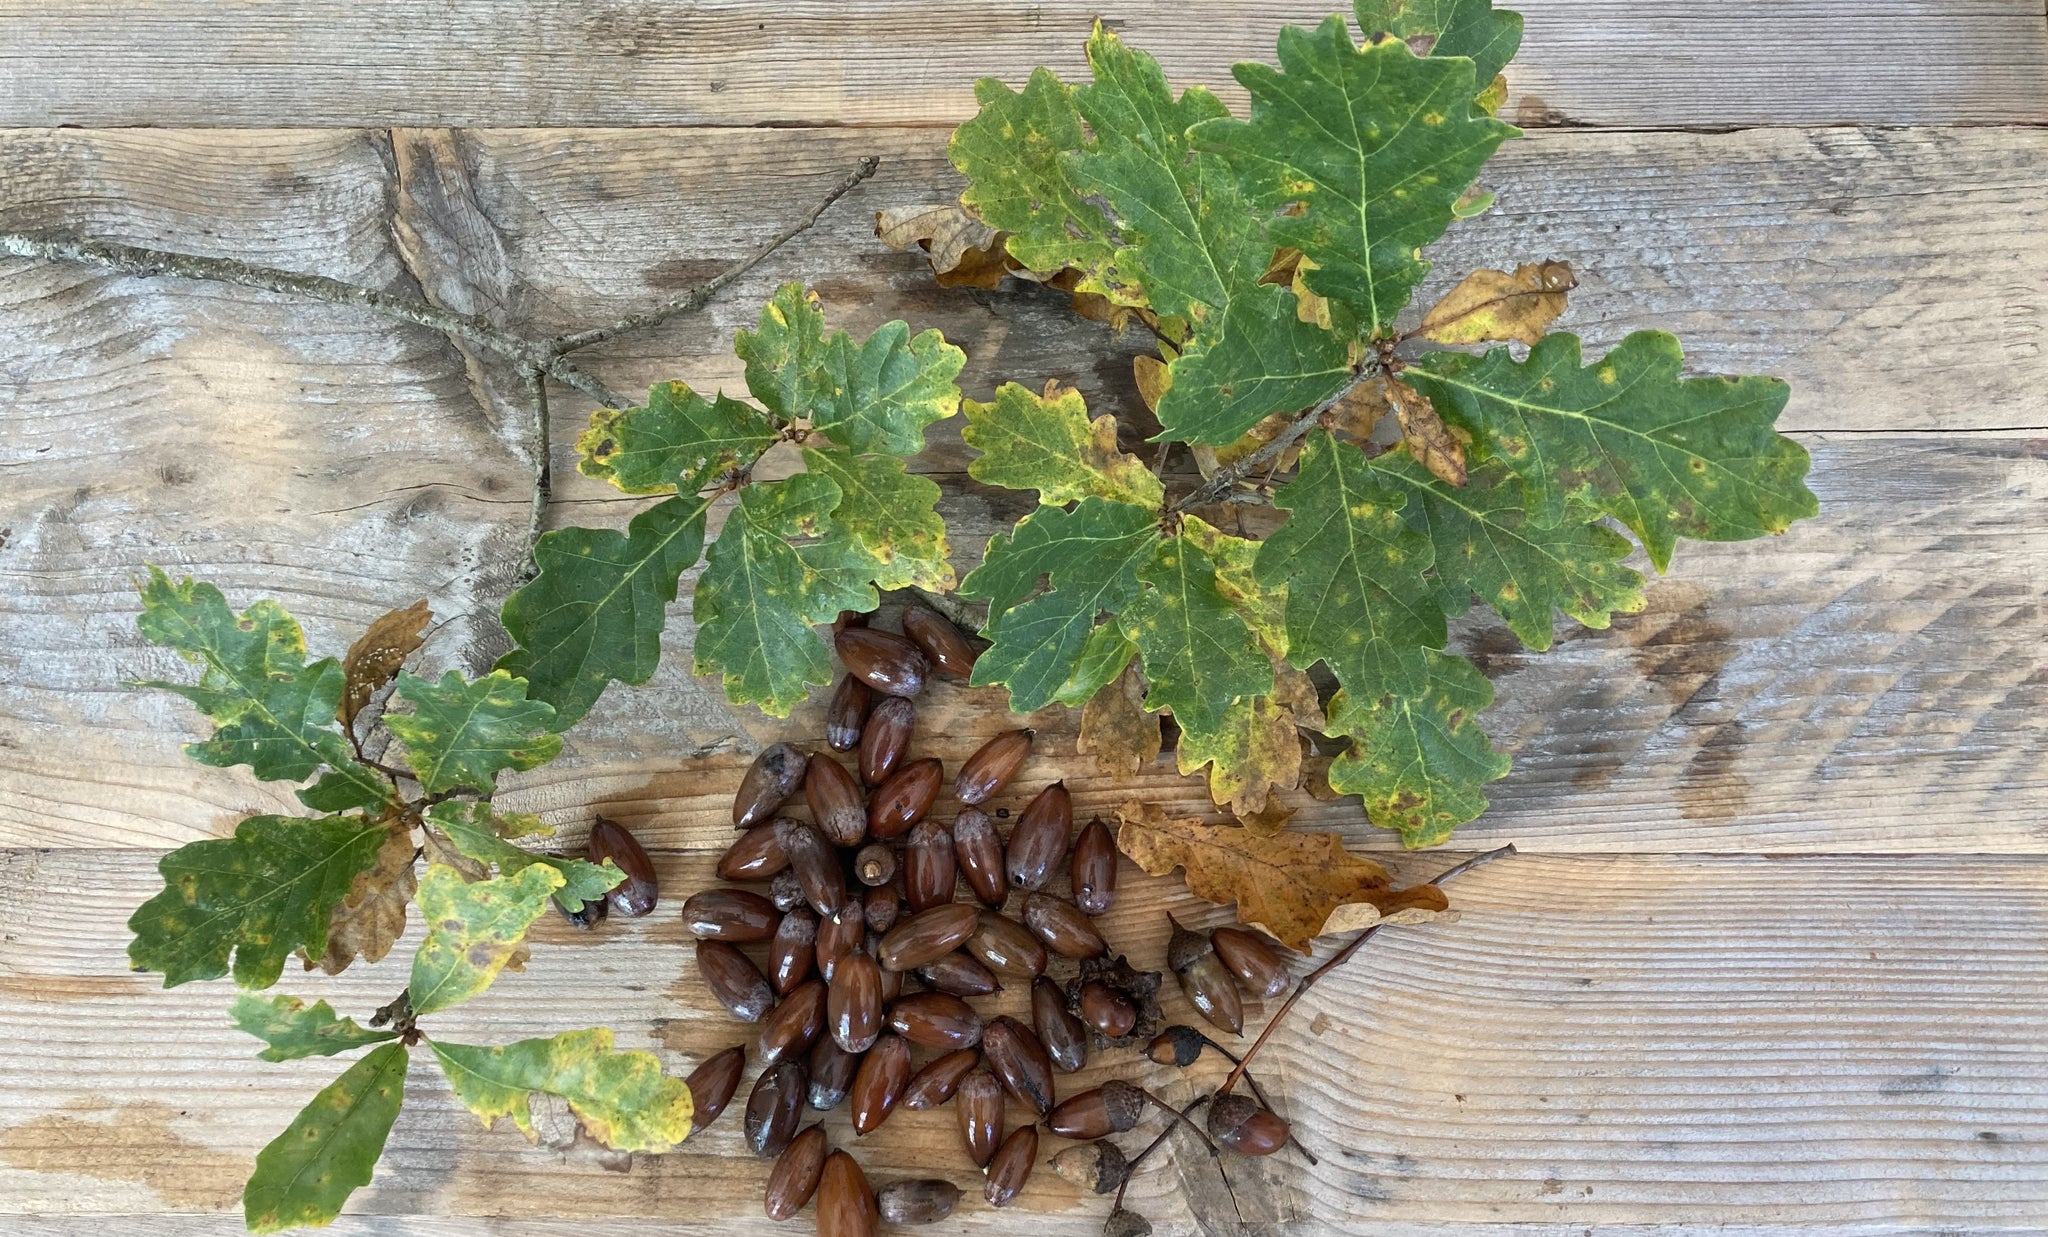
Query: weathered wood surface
x: 751, y: 62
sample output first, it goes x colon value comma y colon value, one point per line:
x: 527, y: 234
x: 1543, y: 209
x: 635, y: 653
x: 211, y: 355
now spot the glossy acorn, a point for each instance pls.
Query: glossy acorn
x: 1108, y: 1109
x: 959, y: 974
x: 767, y: 784
x: 831, y: 1069
x: 791, y: 1027
x: 1107, y: 1010
x: 795, y: 1176
x: 949, y: 652
x: 1020, y: 1061
x: 847, y: 714
x: 794, y: 950
x: 888, y: 663
x: 846, y: 1202
x: 935, y: 1020
x: 892, y: 981
x: 713, y: 1083
x: 773, y: 1108
x: 886, y: 739
x: 1039, y: 840
x: 815, y: 863
x: 1011, y: 1166
x: 1062, y: 926
x: 840, y: 936
x: 882, y: 908
x: 853, y: 1003
x: 1004, y: 945
x: 878, y: 1086
x: 1099, y: 1167
x: 928, y: 936
x: 917, y: 1200
x: 1253, y: 958
x: 904, y: 799
x: 1091, y: 869
x: 1241, y: 1124
x: 755, y: 855
x: 786, y: 891
x: 735, y: 915
x: 874, y: 864
x: 978, y: 850
x: 991, y: 767
x: 929, y: 869
x: 1064, y: 1036
x: 979, y: 1099
x: 834, y: 799
x: 734, y: 980
x: 1204, y: 979
x: 934, y: 1084
x: 637, y: 894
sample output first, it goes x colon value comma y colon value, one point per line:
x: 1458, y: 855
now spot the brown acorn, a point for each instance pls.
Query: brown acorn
x: 886, y: 739
x: 874, y: 864
x: 637, y: 894
x: 1091, y: 869
x: 950, y: 653
x: 1039, y: 840
x: 904, y: 799
x: 840, y: 936
x: 794, y: 951
x: 1177, y: 1045
x: 918, y: 1200
x: 834, y: 799
x: 853, y: 1003
x: 1004, y: 945
x: 1020, y: 1061
x: 786, y: 891
x: 1243, y: 1125
x: 815, y: 863
x: 773, y: 1108
x: 755, y: 855
x: 928, y: 936
x: 1064, y: 1037
x: 878, y: 1086
x: 980, y: 1101
x: 882, y: 907
x: 979, y: 851
x: 734, y: 980
x: 831, y: 1070
x: 847, y: 715
x: 935, y: 1020
x: 929, y: 870
x: 1011, y: 1166
x: 1204, y: 979
x: 846, y: 1203
x: 795, y: 1176
x: 1107, y: 1010
x: 1252, y: 957
x: 1108, y: 1109
x: 767, y: 784
x: 729, y: 915
x: 991, y: 767
x: 1098, y: 1166
x: 935, y: 1083
x: 1062, y: 926
x: 888, y: 663
x: 790, y: 1027
x: 959, y: 974
x: 713, y: 1083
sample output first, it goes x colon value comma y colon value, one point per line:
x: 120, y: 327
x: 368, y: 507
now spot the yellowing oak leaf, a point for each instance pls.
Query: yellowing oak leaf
x: 371, y: 918
x: 373, y: 660
x: 1430, y: 442
x: 1287, y: 883
x: 622, y: 1098
x: 1497, y: 307
x: 474, y: 930
x: 1047, y: 443
x: 964, y: 251
x: 1115, y: 727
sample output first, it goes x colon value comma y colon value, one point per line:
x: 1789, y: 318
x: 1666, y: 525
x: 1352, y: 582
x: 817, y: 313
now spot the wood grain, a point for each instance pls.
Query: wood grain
x: 748, y: 62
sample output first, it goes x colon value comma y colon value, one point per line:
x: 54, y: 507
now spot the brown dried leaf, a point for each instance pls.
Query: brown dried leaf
x: 373, y: 660
x: 1433, y: 444
x: 964, y: 251
x: 372, y: 917
x: 1496, y: 307
x: 1115, y: 727
x: 1288, y: 883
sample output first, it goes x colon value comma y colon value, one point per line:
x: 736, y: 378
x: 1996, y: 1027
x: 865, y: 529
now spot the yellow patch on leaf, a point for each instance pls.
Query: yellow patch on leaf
x: 1497, y: 307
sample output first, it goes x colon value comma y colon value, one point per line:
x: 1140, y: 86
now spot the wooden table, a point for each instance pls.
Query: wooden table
x: 1773, y: 958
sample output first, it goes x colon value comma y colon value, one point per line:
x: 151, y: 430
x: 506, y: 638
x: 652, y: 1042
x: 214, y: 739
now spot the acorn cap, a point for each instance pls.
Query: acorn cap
x: 1123, y: 1102
x: 1227, y: 1112
x: 1176, y: 1045
x: 1125, y: 1223
x: 1099, y: 1166
x: 1185, y: 948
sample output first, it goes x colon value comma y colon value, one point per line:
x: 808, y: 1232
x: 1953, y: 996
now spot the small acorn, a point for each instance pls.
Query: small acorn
x: 637, y: 894
x: 1100, y: 1166
x: 1204, y: 979
x: 1111, y: 1108
x: 713, y: 1083
x: 1253, y: 958
x: 1011, y: 1166
x: 1176, y: 1045
x: 918, y: 1200
x: 1243, y: 1125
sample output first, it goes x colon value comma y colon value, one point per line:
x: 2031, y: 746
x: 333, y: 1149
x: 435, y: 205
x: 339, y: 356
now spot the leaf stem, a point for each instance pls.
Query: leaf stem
x: 1237, y: 470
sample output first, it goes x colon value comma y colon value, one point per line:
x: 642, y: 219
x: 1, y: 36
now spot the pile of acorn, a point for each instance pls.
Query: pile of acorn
x: 868, y: 957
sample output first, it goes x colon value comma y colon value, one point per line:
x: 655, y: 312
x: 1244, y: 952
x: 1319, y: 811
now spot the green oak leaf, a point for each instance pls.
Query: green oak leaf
x: 1012, y: 152
x: 473, y: 930
x: 1487, y: 36
x: 1356, y: 594
x: 677, y: 441
x: 594, y: 611
x: 1104, y: 654
x: 1090, y: 556
x: 259, y: 895
x: 1375, y: 144
x: 759, y: 597
x: 1196, y: 247
x: 1667, y: 456
x: 622, y: 1098
x: 1487, y: 543
x: 1047, y: 443
x: 873, y: 396
x: 478, y: 832
x: 1200, y: 658
x: 1419, y: 760
x: 305, y: 1174
x: 890, y: 516
x: 463, y: 733
x: 294, y: 1029
x: 275, y: 712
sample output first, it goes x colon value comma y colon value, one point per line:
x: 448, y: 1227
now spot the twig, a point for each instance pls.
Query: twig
x: 1260, y: 1092
x: 1338, y: 959
x: 1152, y: 1146
x: 543, y: 461
x: 1237, y: 470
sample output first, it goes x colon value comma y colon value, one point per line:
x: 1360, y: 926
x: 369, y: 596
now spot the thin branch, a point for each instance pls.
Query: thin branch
x: 1237, y: 470
x: 542, y: 450
x: 696, y: 298
x: 1152, y: 1146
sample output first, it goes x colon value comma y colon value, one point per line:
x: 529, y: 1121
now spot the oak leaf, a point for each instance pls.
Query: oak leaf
x: 294, y: 1029
x: 474, y: 931
x: 1116, y: 729
x: 373, y: 660
x: 1491, y: 306
x: 371, y: 918
x: 304, y: 1175
x: 622, y: 1098
x: 964, y: 251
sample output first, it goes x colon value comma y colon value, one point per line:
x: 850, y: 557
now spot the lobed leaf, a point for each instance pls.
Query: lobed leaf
x: 1419, y: 761
x: 377, y: 654
x: 473, y: 930
x: 1047, y: 443
x: 1474, y: 29
x: 890, y: 517
x: 478, y: 832
x: 1013, y: 151
x: 622, y: 1098
x: 305, y: 1174
x: 677, y: 442
x: 1498, y: 307
x: 462, y: 733
x: 371, y: 916
x: 294, y: 1029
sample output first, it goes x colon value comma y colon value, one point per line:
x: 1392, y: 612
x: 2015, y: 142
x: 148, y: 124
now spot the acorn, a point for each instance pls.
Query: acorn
x: 918, y: 1200
x: 1204, y: 979
x: 950, y: 653
x: 1020, y: 1061
x: 1108, y: 1109
x: 847, y: 715
x: 767, y: 784
x: 1004, y: 945
x: 929, y: 869
x: 831, y: 1070
x: 1243, y: 1125
x: 790, y: 1027
x: 882, y: 907
x: 1011, y: 1166
x: 1064, y: 1036
x: 1062, y: 926
x: 853, y: 1003
x: 637, y: 894
x: 928, y: 936
x: 1107, y: 1010
x: 1098, y: 1166
x: 815, y: 863
x: 755, y: 855
x: 960, y: 974
x: 1126, y: 1223
x: 939, y: 1079
x: 1253, y: 958
x: 1177, y: 1045
x: 794, y: 950
x: 979, y: 852
x: 729, y: 915
x: 879, y: 1085
x: 1039, y: 840
x: 888, y: 663
x: 834, y: 799
x: 839, y: 936
x: 1091, y: 868
x: 846, y: 1203
x: 773, y: 1107
x: 936, y: 1020
x: 734, y: 980
x: 874, y: 864
x: 713, y: 1083
x: 979, y: 1099
x: 904, y: 799
x: 795, y: 1176
x: 786, y: 891
x: 886, y: 739
x: 991, y: 767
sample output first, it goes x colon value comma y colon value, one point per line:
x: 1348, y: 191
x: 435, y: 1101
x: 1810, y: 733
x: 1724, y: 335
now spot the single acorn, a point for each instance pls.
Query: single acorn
x: 888, y: 663
x: 767, y: 784
x: 886, y: 739
x: 904, y: 799
x: 1099, y: 1166
x: 1253, y: 958
x: 734, y: 915
x: 1091, y: 868
x: 917, y: 1200
x: 1011, y: 1166
x: 960, y: 974
x: 950, y: 653
x: 795, y: 1176
x: 1063, y: 927
x: 882, y: 908
x: 1107, y: 1010
x: 637, y: 894
x: 734, y: 980
x: 773, y: 1108
x: 928, y: 936
x: 991, y: 767
x: 1006, y: 947
x: 1039, y: 840
x: 840, y: 936
x: 1243, y: 1125
x: 1111, y: 1108
x: 1064, y: 1036
x: 755, y: 855
x: 831, y: 1069
x: 1014, y: 1052
x: 853, y: 1003
x: 978, y: 849
x: 713, y: 1083
x: 936, y: 1020
x: 1204, y: 979
x: 879, y: 1084
x: 794, y: 950
x: 846, y: 1202
x: 834, y: 799
x: 934, y: 1084
x: 791, y: 1027
x: 979, y: 1099
x: 1177, y: 1045
x: 847, y: 715
x: 929, y: 868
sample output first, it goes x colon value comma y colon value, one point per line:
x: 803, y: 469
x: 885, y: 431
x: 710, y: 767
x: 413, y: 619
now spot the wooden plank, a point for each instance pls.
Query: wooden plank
x: 1807, y: 1042
x: 637, y: 62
